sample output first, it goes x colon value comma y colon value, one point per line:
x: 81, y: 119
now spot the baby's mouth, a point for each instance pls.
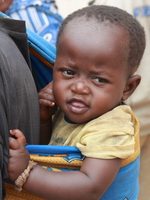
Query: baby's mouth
x: 77, y: 106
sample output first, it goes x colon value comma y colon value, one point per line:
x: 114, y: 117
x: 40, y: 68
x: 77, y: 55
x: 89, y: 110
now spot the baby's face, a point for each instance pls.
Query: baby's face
x: 90, y: 71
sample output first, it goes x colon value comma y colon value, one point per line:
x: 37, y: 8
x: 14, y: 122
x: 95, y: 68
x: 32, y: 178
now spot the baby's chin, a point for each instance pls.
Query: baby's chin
x: 79, y: 119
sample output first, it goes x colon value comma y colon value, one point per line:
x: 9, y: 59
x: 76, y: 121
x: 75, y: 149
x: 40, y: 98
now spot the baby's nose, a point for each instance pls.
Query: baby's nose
x: 80, y: 87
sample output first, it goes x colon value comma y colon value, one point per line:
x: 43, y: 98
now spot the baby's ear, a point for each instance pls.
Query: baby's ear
x: 130, y: 87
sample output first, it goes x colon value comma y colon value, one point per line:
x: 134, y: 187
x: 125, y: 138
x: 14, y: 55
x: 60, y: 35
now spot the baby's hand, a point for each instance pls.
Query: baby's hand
x: 19, y: 156
x: 18, y: 135
x: 47, y: 103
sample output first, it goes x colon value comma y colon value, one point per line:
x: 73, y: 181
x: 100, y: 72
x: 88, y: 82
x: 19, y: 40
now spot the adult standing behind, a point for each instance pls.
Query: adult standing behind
x: 140, y: 100
x: 41, y: 16
x: 19, y: 106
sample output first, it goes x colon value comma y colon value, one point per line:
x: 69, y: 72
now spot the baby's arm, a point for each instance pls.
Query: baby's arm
x: 89, y: 183
x: 47, y: 108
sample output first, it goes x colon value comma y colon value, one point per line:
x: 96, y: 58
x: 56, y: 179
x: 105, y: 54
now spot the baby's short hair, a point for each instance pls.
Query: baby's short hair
x: 117, y: 17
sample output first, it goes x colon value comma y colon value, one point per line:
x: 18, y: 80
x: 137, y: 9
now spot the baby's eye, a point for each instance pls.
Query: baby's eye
x: 68, y: 72
x: 100, y: 80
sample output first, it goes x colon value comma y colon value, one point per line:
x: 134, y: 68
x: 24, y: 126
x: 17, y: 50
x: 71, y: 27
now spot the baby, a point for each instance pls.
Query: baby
x: 99, y: 49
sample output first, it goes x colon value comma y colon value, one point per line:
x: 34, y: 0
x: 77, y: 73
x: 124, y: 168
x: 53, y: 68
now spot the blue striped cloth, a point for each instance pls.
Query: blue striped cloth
x: 41, y: 17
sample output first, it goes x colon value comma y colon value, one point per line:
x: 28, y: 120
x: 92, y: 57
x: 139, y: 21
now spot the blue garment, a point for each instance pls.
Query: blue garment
x: 124, y: 187
x: 41, y: 17
x: 42, y: 68
x: 126, y: 184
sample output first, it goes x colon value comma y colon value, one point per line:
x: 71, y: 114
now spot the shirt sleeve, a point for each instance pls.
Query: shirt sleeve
x: 109, y: 136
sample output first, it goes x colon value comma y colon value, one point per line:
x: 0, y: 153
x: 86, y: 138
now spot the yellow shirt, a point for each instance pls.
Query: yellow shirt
x: 112, y: 135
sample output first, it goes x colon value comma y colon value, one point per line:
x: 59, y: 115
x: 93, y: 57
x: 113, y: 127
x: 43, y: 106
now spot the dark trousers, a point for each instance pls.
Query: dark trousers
x: 19, y: 106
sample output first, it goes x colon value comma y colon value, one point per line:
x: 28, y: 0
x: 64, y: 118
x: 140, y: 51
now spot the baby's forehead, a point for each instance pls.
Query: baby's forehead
x: 91, y: 24
x: 93, y: 40
x: 83, y: 27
